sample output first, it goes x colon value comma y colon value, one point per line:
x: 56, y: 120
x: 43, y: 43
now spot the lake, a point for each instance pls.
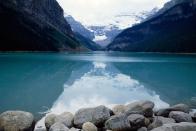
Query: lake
x: 57, y: 82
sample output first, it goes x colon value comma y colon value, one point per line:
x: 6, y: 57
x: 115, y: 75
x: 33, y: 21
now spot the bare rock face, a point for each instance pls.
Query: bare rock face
x: 180, y: 116
x: 184, y: 126
x: 16, y: 121
x: 97, y: 116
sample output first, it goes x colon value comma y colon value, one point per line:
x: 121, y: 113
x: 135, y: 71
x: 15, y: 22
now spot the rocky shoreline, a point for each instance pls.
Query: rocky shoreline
x: 137, y: 116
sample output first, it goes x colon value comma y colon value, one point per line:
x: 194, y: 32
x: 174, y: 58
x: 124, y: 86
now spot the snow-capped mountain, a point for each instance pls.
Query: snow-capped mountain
x: 104, y: 34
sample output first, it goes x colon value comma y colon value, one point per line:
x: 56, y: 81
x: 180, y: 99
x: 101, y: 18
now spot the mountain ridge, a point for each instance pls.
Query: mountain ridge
x: 33, y: 25
x: 171, y: 31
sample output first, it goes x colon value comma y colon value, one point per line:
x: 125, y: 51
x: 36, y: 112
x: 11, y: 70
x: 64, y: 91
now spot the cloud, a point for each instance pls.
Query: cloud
x: 101, y: 11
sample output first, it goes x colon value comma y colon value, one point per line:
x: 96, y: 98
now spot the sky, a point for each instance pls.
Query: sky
x: 102, y: 12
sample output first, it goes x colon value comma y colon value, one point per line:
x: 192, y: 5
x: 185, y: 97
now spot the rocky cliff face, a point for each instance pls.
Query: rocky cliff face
x: 172, y: 30
x: 78, y: 27
x: 34, y: 25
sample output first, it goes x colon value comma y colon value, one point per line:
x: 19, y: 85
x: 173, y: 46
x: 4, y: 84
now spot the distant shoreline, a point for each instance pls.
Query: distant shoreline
x: 61, y: 52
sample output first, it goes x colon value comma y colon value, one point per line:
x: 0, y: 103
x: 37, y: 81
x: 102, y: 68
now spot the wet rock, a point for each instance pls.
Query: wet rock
x: 159, y: 121
x: 184, y: 126
x: 97, y: 116
x: 136, y: 121
x: 180, y: 116
x: 50, y: 120
x: 145, y: 107
x: 142, y: 129
x: 58, y: 127
x: 179, y: 107
x: 118, y: 123
x: 16, y: 121
x: 66, y: 118
x: 88, y: 126
x: 119, y: 109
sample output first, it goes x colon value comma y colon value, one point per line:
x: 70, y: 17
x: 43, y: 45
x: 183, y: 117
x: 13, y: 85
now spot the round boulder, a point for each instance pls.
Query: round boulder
x: 119, y: 109
x: 58, y: 127
x: 118, y: 123
x: 184, y: 126
x: 66, y: 118
x: 180, y: 116
x: 159, y: 121
x: 17, y: 121
x: 143, y: 129
x: 88, y: 126
x: 136, y: 121
x: 144, y: 107
x: 179, y: 107
x: 97, y: 116
x: 50, y: 120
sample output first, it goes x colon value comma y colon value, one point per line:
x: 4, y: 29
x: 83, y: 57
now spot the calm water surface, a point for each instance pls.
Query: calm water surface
x: 38, y: 82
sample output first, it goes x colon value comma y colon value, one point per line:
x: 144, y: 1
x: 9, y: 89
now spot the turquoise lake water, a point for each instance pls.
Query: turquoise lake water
x: 37, y: 82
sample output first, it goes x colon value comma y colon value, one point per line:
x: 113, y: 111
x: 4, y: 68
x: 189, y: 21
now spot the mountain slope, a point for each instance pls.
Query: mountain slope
x: 86, y: 42
x: 174, y: 30
x: 82, y: 34
x: 34, y: 25
x: 78, y: 27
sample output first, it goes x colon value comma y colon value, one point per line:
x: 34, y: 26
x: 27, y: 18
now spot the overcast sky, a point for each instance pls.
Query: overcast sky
x: 101, y: 11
